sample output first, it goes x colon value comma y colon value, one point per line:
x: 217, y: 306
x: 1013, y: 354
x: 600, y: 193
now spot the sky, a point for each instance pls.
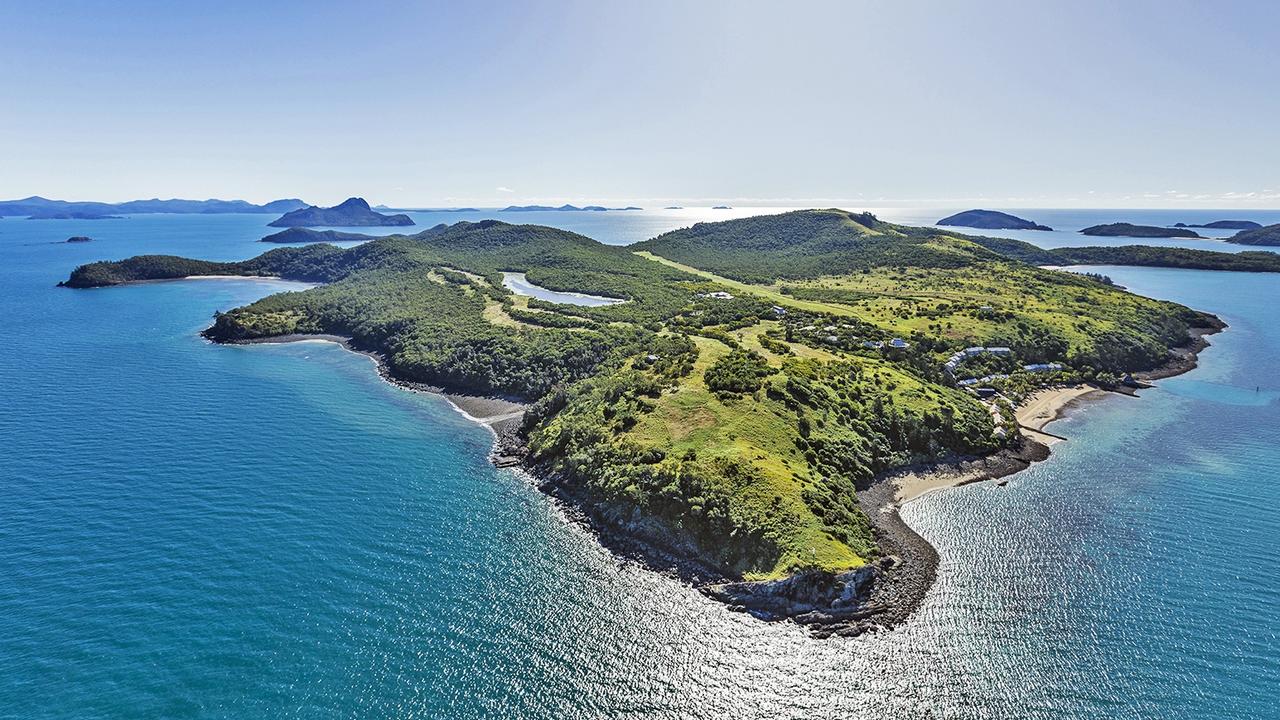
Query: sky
x: 423, y: 104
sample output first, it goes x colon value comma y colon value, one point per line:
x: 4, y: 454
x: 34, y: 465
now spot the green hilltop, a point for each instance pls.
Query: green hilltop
x: 729, y: 409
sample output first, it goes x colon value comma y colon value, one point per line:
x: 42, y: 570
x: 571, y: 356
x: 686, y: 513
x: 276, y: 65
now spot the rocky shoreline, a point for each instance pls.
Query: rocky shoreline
x: 879, y: 595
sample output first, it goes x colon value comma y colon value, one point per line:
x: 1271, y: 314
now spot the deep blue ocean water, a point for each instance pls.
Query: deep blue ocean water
x: 194, y: 531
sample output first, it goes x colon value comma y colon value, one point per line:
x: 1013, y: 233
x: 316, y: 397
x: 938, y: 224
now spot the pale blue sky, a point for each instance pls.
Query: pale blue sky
x: 1139, y: 104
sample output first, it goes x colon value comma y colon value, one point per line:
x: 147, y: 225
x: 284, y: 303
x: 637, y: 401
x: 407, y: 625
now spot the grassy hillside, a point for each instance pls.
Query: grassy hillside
x: 734, y: 429
x: 812, y: 243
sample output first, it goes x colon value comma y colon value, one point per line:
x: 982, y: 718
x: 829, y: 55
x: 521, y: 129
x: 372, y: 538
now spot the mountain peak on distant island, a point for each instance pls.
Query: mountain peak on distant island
x: 991, y: 220
x: 352, y: 212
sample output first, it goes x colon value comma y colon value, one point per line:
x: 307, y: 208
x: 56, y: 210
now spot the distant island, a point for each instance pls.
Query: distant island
x: 45, y: 209
x: 722, y: 207
x: 1123, y: 229
x: 1269, y: 235
x: 77, y: 215
x: 1224, y: 225
x: 563, y: 208
x: 990, y: 220
x: 307, y: 235
x: 673, y: 207
x: 739, y: 416
x: 78, y: 239
x: 353, y: 212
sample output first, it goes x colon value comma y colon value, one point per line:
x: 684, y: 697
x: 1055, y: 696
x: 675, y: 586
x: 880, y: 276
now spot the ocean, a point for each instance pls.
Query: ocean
x: 199, y: 531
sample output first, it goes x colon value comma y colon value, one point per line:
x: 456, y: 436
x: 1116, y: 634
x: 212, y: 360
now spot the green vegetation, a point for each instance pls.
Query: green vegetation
x: 812, y: 243
x: 991, y: 220
x: 730, y: 407
x: 1269, y: 235
x: 1123, y: 229
x: 740, y: 371
x: 1247, y: 261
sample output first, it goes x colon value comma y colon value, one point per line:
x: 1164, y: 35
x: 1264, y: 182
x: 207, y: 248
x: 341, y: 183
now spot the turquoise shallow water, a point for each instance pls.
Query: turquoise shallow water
x: 263, y: 532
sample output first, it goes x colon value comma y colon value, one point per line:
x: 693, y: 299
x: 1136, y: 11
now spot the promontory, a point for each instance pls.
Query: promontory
x: 731, y: 419
x: 1269, y: 235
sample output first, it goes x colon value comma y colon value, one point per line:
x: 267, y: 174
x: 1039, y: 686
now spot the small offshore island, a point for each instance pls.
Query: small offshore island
x: 742, y: 415
x: 991, y: 220
x: 1124, y: 229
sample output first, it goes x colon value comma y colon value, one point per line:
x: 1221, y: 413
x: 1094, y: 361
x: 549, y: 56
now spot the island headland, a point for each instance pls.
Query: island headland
x: 352, y: 212
x: 1124, y: 229
x: 990, y: 220
x: 737, y: 419
x: 307, y: 235
x: 1269, y: 236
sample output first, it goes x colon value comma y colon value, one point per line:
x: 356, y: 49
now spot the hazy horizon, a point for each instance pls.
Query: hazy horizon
x: 1002, y: 105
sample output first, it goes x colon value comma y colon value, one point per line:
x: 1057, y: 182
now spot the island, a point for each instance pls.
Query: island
x: 307, y: 235
x: 1224, y: 225
x: 352, y: 212
x: 1147, y: 256
x: 72, y: 215
x: 722, y: 207
x: 741, y: 411
x: 1123, y: 229
x: 44, y: 208
x: 1269, y: 235
x: 990, y: 220
x: 78, y: 239
x: 563, y: 208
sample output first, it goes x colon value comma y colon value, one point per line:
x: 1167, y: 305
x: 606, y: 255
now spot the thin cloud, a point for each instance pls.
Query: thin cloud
x: 504, y: 189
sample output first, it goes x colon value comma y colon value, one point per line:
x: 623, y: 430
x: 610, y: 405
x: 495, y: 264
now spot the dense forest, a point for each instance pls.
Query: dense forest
x: 1144, y: 255
x: 1269, y: 235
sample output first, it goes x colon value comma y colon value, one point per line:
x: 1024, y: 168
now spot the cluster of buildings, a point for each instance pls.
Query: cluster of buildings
x: 829, y: 335
x: 1033, y: 368
x: 717, y: 295
x: 954, y: 361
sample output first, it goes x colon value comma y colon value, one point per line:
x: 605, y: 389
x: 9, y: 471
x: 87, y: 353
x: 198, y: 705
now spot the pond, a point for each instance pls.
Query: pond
x: 520, y: 285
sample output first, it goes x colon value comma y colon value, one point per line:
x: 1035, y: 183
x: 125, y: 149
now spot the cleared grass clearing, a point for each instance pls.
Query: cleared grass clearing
x: 772, y: 293
x: 756, y: 431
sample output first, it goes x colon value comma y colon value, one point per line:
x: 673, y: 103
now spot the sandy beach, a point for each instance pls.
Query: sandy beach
x: 1048, y: 405
x: 1039, y: 410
